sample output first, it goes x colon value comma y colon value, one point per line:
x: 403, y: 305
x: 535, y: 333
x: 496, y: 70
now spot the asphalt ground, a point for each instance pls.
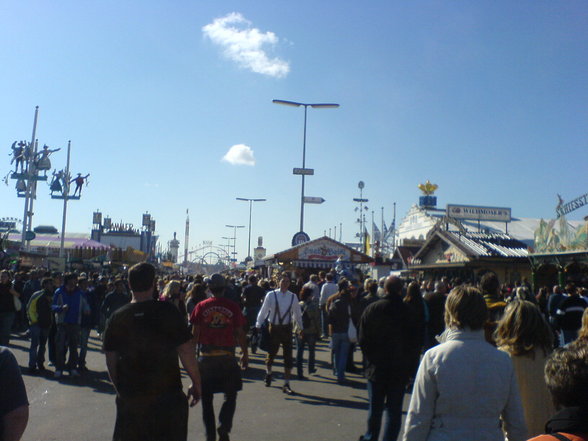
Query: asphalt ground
x: 80, y: 409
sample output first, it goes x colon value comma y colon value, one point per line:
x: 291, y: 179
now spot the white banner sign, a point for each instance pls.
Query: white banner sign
x: 497, y: 214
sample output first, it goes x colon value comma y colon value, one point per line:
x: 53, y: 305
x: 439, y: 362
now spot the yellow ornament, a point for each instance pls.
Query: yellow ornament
x: 427, y: 188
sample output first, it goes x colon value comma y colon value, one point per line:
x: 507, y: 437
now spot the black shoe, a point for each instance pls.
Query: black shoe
x: 223, y: 435
x: 286, y: 389
x: 301, y: 377
x: 311, y: 371
x: 268, y: 380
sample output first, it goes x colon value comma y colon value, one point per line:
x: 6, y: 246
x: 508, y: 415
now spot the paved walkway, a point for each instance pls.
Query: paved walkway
x: 82, y: 409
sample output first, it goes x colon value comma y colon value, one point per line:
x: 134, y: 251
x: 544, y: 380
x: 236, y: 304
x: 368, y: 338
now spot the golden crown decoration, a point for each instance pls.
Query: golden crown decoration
x: 427, y: 188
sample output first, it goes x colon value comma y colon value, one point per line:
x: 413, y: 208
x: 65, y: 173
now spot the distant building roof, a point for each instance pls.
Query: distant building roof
x: 406, y: 253
x: 466, y: 246
x: 419, y: 220
x: 320, y: 253
x: 72, y: 240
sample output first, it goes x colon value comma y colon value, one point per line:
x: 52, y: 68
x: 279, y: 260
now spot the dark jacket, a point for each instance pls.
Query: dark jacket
x: 338, y: 315
x: 39, y: 308
x: 384, y: 330
x: 436, y: 303
x: 570, y: 421
x: 569, y: 312
x: 112, y: 302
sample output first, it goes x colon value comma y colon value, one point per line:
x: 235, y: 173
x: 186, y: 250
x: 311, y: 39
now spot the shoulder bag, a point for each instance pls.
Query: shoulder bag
x: 351, y: 329
x: 17, y: 303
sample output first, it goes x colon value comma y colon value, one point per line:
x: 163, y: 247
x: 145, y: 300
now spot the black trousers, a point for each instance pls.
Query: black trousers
x: 219, y: 374
x: 152, y: 418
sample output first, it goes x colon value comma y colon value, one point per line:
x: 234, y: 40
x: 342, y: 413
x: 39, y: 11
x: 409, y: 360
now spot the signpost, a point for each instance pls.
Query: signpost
x: 313, y: 200
x: 303, y: 171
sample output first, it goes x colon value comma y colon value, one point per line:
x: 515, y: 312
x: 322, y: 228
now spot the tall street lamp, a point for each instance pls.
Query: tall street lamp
x: 251, y: 201
x: 303, y: 173
x: 234, y: 227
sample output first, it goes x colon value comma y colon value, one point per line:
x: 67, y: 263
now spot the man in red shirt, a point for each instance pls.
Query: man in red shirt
x: 218, y: 326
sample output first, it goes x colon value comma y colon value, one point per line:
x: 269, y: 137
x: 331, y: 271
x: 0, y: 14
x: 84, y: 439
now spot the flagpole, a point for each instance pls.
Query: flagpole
x: 25, y: 222
x: 394, y: 228
x: 373, y: 236
x: 65, y: 196
x: 382, y: 237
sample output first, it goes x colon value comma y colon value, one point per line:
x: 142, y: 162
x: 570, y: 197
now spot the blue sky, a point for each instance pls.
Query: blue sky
x: 489, y: 100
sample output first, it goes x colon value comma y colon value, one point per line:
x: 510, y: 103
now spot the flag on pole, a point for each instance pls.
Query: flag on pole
x: 376, y: 231
x: 367, y: 245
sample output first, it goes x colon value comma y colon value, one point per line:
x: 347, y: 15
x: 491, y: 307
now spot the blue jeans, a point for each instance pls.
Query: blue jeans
x: 84, y: 336
x: 384, y: 397
x: 300, y: 343
x: 6, y: 321
x: 38, y: 342
x: 341, y: 344
x: 325, y: 320
x: 68, y: 337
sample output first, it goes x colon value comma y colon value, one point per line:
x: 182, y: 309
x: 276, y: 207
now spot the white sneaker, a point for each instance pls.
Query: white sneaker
x: 74, y: 373
x: 57, y: 374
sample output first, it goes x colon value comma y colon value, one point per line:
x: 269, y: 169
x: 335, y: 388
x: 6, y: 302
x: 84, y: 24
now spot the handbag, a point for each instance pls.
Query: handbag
x: 17, y: 303
x: 264, y: 336
x: 351, y: 329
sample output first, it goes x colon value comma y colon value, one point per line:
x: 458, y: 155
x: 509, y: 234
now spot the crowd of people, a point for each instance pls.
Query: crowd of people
x: 481, y: 361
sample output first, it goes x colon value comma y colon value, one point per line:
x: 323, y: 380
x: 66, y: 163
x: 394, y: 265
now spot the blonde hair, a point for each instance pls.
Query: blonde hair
x: 583, y: 332
x: 523, y: 329
x: 367, y: 283
x: 170, y: 288
x: 465, y: 307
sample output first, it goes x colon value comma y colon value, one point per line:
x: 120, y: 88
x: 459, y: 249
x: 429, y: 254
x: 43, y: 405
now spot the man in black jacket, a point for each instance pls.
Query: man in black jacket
x: 40, y: 317
x: 383, y: 335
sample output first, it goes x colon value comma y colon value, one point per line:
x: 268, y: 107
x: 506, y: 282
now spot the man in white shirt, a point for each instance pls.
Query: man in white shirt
x: 280, y: 307
x: 312, y: 284
x: 328, y: 289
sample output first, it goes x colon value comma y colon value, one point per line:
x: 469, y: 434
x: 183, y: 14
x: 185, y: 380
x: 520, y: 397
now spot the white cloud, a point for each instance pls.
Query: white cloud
x: 239, y: 154
x: 245, y: 45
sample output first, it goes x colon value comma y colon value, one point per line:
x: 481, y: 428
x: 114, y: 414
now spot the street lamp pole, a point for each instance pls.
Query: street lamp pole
x: 251, y: 201
x: 305, y: 105
x: 234, y: 227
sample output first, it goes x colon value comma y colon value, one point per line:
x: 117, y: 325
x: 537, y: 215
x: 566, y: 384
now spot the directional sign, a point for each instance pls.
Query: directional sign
x: 30, y: 235
x: 313, y: 200
x: 303, y: 171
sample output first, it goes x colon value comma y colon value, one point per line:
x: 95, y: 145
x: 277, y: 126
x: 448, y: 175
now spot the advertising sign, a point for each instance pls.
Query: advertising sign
x: 563, y: 209
x: 474, y: 212
x: 323, y: 250
x: 299, y: 238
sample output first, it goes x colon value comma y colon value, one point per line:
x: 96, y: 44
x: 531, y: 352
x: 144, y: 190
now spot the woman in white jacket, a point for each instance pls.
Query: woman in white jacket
x: 465, y: 388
